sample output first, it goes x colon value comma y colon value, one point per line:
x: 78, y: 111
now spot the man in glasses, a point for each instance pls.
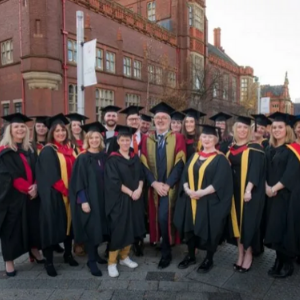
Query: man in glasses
x: 163, y: 155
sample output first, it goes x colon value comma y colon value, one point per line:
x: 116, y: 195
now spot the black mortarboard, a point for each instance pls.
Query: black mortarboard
x: 163, y: 108
x: 177, y: 115
x: 125, y: 130
x: 220, y: 117
x: 77, y: 117
x: 110, y: 108
x: 131, y: 110
x: 146, y: 118
x: 208, y: 129
x: 57, y: 119
x: 281, y: 117
x: 40, y: 119
x: 261, y: 120
x: 95, y: 126
x: 16, y: 118
x: 295, y: 120
x: 194, y: 113
x: 243, y: 119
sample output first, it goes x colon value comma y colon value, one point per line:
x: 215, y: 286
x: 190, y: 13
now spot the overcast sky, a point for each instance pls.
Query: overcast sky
x: 264, y: 34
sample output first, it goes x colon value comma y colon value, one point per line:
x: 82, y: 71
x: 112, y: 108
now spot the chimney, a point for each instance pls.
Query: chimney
x: 217, y: 38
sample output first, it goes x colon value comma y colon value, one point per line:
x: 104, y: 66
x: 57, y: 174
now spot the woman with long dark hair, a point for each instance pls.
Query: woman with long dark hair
x: 19, y: 203
x: 54, y: 170
x: 259, y: 129
x: 176, y: 121
x: 40, y: 130
x: 283, y: 190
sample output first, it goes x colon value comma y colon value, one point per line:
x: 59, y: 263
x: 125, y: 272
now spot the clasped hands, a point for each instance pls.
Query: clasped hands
x: 194, y: 194
x: 161, y: 188
x: 32, y: 192
x: 269, y: 191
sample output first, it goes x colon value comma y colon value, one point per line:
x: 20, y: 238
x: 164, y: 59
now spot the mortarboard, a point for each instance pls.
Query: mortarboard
x: 177, y: 115
x: 220, y: 117
x: 16, y: 118
x: 110, y: 108
x: 162, y: 107
x: 208, y: 129
x: 125, y: 130
x: 40, y: 119
x: 131, y: 110
x: 146, y: 118
x: 281, y: 117
x: 77, y: 117
x: 57, y: 119
x: 95, y: 126
x: 261, y: 120
x: 194, y: 113
x: 243, y: 119
x: 295, y: 120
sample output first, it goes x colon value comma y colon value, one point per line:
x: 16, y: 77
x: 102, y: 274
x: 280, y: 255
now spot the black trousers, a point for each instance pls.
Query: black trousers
x: 48, y: 252
x: 92, y: 251
x: 163, y: 219
x: 193, y: 245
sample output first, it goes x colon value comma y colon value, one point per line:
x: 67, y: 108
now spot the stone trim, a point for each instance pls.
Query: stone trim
x: 42, y: 80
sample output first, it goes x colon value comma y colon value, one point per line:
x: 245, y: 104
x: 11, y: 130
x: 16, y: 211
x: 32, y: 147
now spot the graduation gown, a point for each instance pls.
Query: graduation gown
x: 283, y: 210
x: 204, y: 218
x: 88, y: 176
x: 225, y: 144
x: 111, y: 144
x: 18, y: 215
x: 190, y: 146
x: 53, y: 182
x: 248, y: 165
x: 166, y: 168
x: 125, y: 216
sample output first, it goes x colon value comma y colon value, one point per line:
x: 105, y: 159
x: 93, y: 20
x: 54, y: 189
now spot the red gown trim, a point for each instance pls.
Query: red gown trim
x: 239, y: 150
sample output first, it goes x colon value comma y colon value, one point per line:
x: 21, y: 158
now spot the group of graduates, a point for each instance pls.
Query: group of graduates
x: 181, y: 182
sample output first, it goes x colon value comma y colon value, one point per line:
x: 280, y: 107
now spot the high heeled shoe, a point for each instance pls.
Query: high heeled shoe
x: 244, y: 270
x: 32, y: 258
x: 11, y: 274
x: 236, y: 267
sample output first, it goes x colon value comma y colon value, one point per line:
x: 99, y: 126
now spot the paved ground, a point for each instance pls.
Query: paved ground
x: 147, y: 282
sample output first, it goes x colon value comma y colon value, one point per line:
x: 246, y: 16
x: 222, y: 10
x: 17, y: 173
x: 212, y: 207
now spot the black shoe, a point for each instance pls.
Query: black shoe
x: 164, y: 262
x: 33, y: 258
x: 286, y: 271
x: 236, y: 267
x: 205, y: 266
x: 188, y: 261
x: 92, y: 265
x: 276, y: 268
x: 58, y: 249
x: 70, y: 260
x: 50, y: 270
x: 11, y: 274
x: 100, y: 260
x: 244, y: 270
x: 138, y: 248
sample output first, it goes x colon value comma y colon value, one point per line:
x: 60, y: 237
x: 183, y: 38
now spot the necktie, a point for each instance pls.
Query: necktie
x: 135, y: 145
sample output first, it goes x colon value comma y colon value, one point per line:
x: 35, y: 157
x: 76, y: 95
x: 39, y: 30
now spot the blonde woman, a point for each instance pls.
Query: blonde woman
x: 283, y: 190
x: 87, y: 195
x: 248, y: 170
x: 296, y: 127
x: 19, y: 209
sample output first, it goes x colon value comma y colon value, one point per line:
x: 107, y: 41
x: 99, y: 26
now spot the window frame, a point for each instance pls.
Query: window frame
x: 127, y: 66
x: 132, y: 99
x: 4, y: 52
x: 136, y: 70
x: 99, y: 58
x: 72, y: 50
x: 110, y: 60
x: 74, y: 98
x: 103, y: 101
x: 151, y: 11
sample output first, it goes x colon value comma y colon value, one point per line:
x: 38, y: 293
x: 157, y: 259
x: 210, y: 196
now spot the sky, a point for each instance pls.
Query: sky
x: 263, y: 34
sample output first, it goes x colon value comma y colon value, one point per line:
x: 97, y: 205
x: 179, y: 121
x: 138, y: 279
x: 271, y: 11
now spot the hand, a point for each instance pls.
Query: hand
x: 136, y: 195
x: 86, y: 207
x: 196, y: 194
x: 188, y: 191
x: 166, y: 188
x: 158, y: 186
x: 269, y: 192
x: 247, y: 197
x: 32, y: 192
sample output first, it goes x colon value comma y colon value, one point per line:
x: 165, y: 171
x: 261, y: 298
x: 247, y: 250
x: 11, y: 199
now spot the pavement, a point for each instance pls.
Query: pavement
x: 147, y: 282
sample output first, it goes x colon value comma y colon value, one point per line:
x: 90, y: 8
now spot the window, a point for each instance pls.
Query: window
x: 172, y: 79
x: 6, y: 52
x: 72, y: 51
x: 151, y: 74
x: 244, y: 89
x: 72, y: 98
x: 103, y: 98
x: 132, y: 99
x: 99, y: 59
x: 215, y: 90
x: 197, y: 67
x: 18, y: 107
x: 110, y: 62
x: 225, y: 86
x: 5, y: 109
x: 151, y: 11
x: 196, y: 17
x: 233, y: 89
x: 137, y: 69
x: 127, y: 66
x: 159, y: 75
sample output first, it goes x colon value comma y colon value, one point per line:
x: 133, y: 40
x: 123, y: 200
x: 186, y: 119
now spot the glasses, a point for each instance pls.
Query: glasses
x: 133, y: 119
x: 161, y: 118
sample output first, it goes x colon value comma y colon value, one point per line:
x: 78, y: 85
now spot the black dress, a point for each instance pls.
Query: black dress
x: 190, y: 146
x: 125, y: 216
x: 283, y: 210
x: 88, y: 177
x: 248, y: 165
x: 211, y: 210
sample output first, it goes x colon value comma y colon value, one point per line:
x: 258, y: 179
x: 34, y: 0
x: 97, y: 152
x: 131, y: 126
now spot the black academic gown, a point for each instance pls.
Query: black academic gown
x: 211, y: 210
x: 225, y: 144
x: 53, y: 216
x: 190, y: 146
x: 125, y: 216
x: 88, y: 176
x: 252, y: 211
x: 283, y: 210
x: 19, y: 227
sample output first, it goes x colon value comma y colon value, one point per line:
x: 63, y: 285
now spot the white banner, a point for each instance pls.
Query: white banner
x: 89, y: 62
x: 265, y: 105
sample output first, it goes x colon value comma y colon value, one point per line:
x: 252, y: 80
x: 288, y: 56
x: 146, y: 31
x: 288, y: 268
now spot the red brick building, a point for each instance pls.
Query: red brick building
x: 279, y: 95
x: 144, y: 51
